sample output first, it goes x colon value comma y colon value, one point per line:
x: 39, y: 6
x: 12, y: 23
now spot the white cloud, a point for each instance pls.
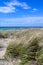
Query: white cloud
x: 20, y: 4
x: 7, y: 9
x: 34, y: 9
x: 10, y: 6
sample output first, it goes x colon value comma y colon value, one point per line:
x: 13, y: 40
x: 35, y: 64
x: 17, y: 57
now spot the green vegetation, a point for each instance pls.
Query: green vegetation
x: 40, y: 57
x: 26, y: 52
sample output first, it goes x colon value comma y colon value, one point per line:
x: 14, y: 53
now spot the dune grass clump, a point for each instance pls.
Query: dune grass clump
x: 30, y: 51
x: 26, y: 52
x: 12, y: 50
x: 4, y: 34
x: 40, y: 57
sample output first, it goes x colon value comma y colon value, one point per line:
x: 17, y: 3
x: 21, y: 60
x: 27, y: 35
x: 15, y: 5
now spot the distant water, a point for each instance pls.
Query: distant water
x: 12, y: 28
x: 16, y: 28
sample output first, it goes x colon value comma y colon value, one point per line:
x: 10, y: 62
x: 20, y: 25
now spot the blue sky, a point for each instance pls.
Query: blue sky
x: 21, y: 12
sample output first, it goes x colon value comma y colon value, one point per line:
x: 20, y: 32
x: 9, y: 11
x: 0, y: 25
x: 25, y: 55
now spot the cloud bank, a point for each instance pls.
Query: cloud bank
x: 26, y: 21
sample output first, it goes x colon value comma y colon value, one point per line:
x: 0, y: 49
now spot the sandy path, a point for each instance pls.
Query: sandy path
x: 3, y: 44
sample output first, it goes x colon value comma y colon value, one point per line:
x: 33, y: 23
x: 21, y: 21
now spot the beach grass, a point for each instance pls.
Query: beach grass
x: 25, y: 46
